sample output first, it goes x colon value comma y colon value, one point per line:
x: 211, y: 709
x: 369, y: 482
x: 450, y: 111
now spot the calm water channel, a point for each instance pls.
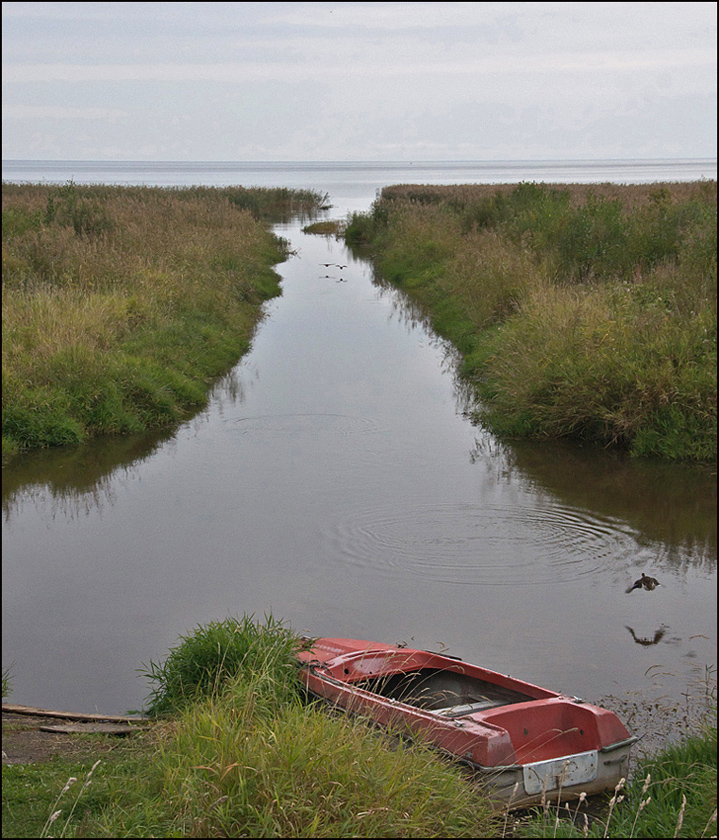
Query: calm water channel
x: 334, y: 481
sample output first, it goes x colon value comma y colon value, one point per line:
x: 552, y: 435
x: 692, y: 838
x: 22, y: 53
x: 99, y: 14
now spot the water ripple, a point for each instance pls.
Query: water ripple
x: 282, y: 425
x: 483, y: 546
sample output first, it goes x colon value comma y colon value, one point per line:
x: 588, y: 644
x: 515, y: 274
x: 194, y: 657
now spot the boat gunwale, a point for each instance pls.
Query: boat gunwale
x: 451, y: 664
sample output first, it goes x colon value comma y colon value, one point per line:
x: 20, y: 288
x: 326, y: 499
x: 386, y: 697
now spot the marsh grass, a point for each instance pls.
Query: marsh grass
x: 213, y: 655
x: 121, y: 304
x: 6, y: 682
x: 235, y: 769
x: 580, y: 311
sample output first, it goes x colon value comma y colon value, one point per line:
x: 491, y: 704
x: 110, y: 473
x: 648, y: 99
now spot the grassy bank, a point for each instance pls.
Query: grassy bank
x: 122, y: 304
x: 239, y: 752
x: 580, y: 311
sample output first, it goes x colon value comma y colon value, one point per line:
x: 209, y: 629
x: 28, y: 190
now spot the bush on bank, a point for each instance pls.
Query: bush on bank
x: 121, y: 304
x: 580, y: 311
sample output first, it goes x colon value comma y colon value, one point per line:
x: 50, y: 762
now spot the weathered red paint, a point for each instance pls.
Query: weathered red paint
x: 503, y: 741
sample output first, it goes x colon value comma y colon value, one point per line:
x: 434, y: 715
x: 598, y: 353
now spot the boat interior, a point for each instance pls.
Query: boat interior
x: 445, y: 692
x: 540, y: 732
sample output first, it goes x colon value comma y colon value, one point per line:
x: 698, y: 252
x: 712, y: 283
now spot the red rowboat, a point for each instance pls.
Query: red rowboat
x: 527, y: 742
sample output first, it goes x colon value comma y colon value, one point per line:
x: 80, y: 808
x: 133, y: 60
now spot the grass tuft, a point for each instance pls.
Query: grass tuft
x: 212, y: 655
x: 671, y: 794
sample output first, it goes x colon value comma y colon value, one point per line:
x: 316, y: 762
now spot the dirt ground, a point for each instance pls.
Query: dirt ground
x: 24, y: 742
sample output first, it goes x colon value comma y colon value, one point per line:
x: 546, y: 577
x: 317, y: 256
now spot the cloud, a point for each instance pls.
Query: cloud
x: 322, y: 67
x: 379, y: 16
x: 309, y: 79
x: 60, y: 112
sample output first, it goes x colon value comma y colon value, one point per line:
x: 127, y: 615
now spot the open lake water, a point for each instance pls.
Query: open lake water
x: 335, y: 481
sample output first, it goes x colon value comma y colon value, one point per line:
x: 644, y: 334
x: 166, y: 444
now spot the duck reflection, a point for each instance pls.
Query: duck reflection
x: 654, y: 640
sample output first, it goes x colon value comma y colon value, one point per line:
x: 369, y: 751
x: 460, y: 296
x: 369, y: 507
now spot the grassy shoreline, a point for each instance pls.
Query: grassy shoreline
x: 580, y: 311
x: 237, y: 751
x: 122, y: 304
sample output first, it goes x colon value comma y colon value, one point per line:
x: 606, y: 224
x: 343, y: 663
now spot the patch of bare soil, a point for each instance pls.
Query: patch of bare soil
x: 26, y: 740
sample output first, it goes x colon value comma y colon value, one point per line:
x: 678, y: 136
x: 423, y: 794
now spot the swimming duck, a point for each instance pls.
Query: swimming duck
x: 645, y: 582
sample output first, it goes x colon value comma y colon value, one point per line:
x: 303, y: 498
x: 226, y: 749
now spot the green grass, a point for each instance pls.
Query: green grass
x: 121, y: 305
x: 586, y: 312
x: 234, y: 768
x: 104, y: 773
x: 31, y: 793
x: 227, y: 768
x: 207, y: 659
x: 247, y: 756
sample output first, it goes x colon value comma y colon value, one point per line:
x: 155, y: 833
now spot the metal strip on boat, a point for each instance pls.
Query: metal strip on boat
x: 627, y: 742
x: 563, y: 772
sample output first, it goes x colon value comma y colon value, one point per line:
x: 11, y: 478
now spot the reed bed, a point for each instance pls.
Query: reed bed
x: 121, y: 304
x: 631, y: 196
x: 580, y: 311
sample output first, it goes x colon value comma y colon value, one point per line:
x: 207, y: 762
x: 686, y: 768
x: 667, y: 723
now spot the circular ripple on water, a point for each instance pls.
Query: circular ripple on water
x: 313, y: 425
x: 483, y: 546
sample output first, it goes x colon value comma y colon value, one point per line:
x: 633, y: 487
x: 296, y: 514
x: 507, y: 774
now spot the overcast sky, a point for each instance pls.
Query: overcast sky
x: 358, y: 81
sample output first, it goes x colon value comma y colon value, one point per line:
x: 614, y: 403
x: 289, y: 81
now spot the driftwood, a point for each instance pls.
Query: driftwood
x: 100, y: 728
x: 15, y: 709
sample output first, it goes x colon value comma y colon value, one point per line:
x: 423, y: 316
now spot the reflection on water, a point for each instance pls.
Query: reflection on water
x: 653, y: 640
x: 670, y: 503
x: 73, y: 480
x: 316, y: 425
x: 667, y: 503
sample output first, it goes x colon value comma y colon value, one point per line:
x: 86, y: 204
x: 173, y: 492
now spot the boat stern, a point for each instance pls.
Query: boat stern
x: 564, y: 748
x: 560, y: 779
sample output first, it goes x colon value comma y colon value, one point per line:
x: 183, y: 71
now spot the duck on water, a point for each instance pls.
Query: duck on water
x: 644, y: 582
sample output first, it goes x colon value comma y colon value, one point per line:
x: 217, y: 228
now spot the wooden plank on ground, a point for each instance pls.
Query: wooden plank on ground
x: 15, y: 709
x: 93, y: 728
